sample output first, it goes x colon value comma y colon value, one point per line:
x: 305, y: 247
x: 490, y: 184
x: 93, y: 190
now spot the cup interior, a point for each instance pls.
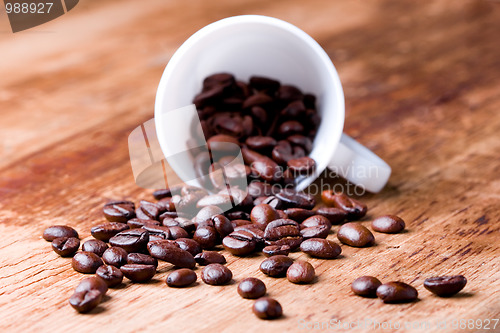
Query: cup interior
x: 245, y: 46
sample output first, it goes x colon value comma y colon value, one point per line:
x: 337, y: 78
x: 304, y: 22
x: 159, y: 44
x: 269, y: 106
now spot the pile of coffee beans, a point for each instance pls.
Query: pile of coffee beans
x: 274, y: 125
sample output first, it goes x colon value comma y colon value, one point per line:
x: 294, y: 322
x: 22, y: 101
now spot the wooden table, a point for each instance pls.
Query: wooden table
x: 421, y: 81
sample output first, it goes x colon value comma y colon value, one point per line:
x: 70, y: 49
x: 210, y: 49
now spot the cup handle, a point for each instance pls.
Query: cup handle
x: 359, y: 165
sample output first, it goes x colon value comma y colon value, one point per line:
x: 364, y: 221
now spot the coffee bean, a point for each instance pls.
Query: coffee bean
x: 239, y: 243
x: 110, y: 274
x: 445, y: 286
x: 299, y: 214
x: 251, y: 288
x: 354, y: 234
x: 289, y: 93
x: 315, y: 221
x: 239, y: 223
x: 138, y: 272
x: 216, y: 274
x: 266, y: 169
x: 181, y: 278
x: 166, y: 250
x: 159, y: 231
x: 300, y: 272
x: 207, y: 212
x: 238, y: 215
x: 206, y: 236
x: 259, y: 99
x: 355, y: 209
x: 177, y: 232
x: 273, y: 250
x: 276, y: 266
x: 272, y: 201
x: 85, y: 301
x: 220, y: 200
x: 262, y: 144
x: 260, y: 189
x: 107, y: 230
x: 302, y: 141
x: 164, y: 193
x: 397, y: 292
x: 290, y: 127
x: 294, y: 199
x: 223, y: 143
x: 190, y: 245
x: 139, y: 223
x: 267, y: 308
x: 86, y: 262
x: 319, y: 231
x: 320, y: 248
x: 115, y: 256
x: 389, y: 224
x: 294, y: 110
x: 282, y: 214
x: 282, y: 152
x: 365, y: 286
x: 119, y: 211
x: 148, y: 211
x: 133, y: 240
x: 96, y: 246
x: 283, y: 232
x: 302, y: 165
x: 264, y: 83
x: 57, y: 231
x: 334, y: 215
x: 92, y: 283
x: 209, y: 257
x: 263, y: 214
x: 65, y: 246
x: 142, y: 259
x: 222, y: 225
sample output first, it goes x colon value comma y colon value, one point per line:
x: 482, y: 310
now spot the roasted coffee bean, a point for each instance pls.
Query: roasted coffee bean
x: 292, y: 199
x: 272, y: 201
x: 85, y: 301
x: 239, y: 243
x: 160, y: 231
x: 115, y: 256
x: 263, y: 83
x: 334, y: 215
x: 206, y: 236
x: 354, y: 234
x: 290, y: 127
x: 96, y: 246
x: 276, y: 266
x: 397, y: 292
x: 315, y: 221
x: 57, y: 231
x: 110, y: 274
x: 302, y: 165
x: 179, y: 222
x: 257, y: 233
x: 273, y: 250
x: 138, y: 272
x: 320, y: 231
x: 147, y: 210
x: 282, y: 152
x: 320, y: 248
x: 88, y: 294
x: 267, y: 308
x: 166, y: 205
x: 222, y: 225
x: 283, y: 232
x: 238, y: 215
x: 239, y: 223
x: 366, y: 286
x: 262, y: 144
x: 86, y: 262
x: 445, y: 286
x: 133, y: 240
x: 266, y: 169
x: 251, y: 288
x: 289, y: 93
x: 107, y: 230
x: 223, y: 143
x: 216, y: 274
x: 302, y: 141
x: 140, y: 258
x: 139, y: 223
x: 355, y: 209
x: 181, y: 278
x: 206, y: 213
x: 190, y: 245
x: 282, y: 214
x: 209, y: 257
x: 294, y: 110
x: 164, y: 193
x: 170, y: 252
x: 219, y: 79
x: 260, y: 189
x: 389, y: 224
x: 119, y: 211
x: 221, y: 200
x: 263, y: 214
x: 299, y: 214
x: 259, y: 99
x: 300, y: 272
x: 65, y: 246
x: 177, y: 232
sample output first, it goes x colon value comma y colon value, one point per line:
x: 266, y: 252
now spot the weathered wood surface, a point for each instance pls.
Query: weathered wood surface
x: 421, y: 81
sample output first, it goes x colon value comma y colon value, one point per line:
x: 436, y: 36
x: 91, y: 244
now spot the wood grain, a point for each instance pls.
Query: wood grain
x: 421, y: 83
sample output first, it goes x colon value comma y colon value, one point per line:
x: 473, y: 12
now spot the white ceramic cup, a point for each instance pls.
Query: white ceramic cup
x: 258, y: 45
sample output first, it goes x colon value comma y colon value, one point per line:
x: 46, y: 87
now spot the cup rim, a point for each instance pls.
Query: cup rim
x: 285, y: 26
